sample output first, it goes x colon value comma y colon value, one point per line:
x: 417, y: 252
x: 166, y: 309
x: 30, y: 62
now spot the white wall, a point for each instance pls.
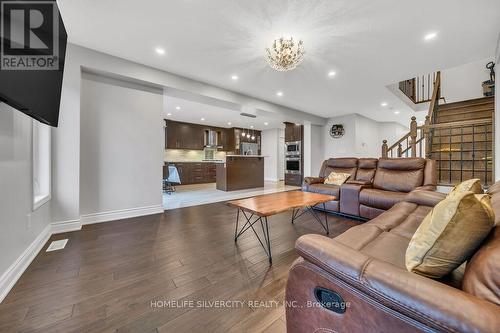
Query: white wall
x: 281, y: 154
x: 121, y: 145
x: 20, y: 227
x: 363, y: 136
x: 464, y: 82
x: 270, y: 149
x: 367, y: 138
x: 344, y: 146
x: 317, y: 149
x: 307, y: 143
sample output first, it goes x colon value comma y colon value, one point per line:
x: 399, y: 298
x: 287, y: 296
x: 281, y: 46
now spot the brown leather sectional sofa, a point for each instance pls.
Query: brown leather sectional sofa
x: 362, y: 276
x: 375, y: 185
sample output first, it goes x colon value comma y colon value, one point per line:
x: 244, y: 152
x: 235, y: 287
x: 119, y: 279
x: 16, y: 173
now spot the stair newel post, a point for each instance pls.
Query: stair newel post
x: 427, y: 135
x: 400, y: 150
x: 384, y: 148
x: 413, y: 136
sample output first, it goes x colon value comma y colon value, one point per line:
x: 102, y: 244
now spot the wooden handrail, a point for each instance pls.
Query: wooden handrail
x: 407, y: 135
x: 435, y: 96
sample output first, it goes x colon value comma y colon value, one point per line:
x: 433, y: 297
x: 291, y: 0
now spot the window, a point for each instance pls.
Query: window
x: 41, y: 164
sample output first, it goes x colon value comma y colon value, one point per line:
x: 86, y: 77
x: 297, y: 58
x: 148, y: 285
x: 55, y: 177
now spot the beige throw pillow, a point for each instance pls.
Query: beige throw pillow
x: 472, y: 185
x: 450, y: 234
x: 336, y: 178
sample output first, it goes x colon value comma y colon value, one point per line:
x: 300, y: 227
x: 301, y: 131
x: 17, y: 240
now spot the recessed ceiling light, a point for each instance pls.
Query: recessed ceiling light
x: 159, y: 50
x: 177, y: 107
x: 279, y: 93
x: 430, y: 36
x: 266, y: 123
x: 396, y: 112
x: 169, y: 114
x: 202, y: 119
x: 331, y: 73
x: 298, y: 124
x: 251, y: 126
x: 229, y: 123
x: 383, y: 104
x: 234, y: 77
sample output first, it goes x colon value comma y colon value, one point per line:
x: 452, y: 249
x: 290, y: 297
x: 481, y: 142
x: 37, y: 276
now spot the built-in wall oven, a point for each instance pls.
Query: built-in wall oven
x: 293, y: 165
x: 293, y: 148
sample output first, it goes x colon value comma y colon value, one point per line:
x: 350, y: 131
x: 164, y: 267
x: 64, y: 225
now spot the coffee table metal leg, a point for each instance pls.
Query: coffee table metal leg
x: 266, y: 242
x: 236, y: 230
x: 317, y: 218
x: 295, y: 214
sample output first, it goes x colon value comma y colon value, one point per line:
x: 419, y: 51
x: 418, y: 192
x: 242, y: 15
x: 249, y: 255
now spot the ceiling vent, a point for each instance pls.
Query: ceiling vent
x: 249, y: 115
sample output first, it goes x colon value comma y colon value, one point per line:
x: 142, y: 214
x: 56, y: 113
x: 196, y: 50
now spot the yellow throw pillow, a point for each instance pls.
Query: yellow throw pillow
x: 337, y: 178
x: 450, y: 234
x: 472, y: 185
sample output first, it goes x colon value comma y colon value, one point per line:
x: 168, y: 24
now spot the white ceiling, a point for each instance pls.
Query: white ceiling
x: 193, y: 112
x: 370, y: 44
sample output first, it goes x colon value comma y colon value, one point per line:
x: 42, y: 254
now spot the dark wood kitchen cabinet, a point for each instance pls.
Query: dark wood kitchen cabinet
x: 184, y: 135
x: 293, y: 132
x: 196, y: 172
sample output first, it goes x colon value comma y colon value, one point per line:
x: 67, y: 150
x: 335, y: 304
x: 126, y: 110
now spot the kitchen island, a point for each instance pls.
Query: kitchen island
x: 240, y: 172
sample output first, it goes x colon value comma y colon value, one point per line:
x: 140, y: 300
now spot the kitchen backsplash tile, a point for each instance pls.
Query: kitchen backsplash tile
x: 185, y: 155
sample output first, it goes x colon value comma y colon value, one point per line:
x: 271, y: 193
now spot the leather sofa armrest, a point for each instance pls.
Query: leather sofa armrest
x: 425, y: 300
x: 349, y: 197
x: 359, y: 182
x: 313, y: 180
x: 424, y: 197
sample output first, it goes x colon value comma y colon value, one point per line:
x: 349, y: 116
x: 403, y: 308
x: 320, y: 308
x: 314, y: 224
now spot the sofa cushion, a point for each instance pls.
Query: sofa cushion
x: 449, y: 234
x: 482, y: 273
x: 379, y: 198
x: 336, y: 178
x: 322, y: 188
x: 472, y: 185
x: 399, y: 174
x: 366, y: 169
x: 343, y: 165
x: 391, y: 230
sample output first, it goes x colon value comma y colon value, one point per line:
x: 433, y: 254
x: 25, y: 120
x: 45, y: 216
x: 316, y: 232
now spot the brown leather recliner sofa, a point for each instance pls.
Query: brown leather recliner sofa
x: 375, y: 185
x: 361, y: 275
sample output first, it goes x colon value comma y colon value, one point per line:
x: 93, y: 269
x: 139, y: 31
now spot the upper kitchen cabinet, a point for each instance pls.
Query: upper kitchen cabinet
x: 293, y: 132
x: 184, y: 135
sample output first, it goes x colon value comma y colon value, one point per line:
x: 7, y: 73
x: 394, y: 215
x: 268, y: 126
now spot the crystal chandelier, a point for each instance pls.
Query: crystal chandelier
x: 285, y: 54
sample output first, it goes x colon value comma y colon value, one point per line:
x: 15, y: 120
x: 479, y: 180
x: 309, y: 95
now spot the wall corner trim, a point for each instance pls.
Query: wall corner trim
x: 66, y: 226
x: 121, y: 214
x: 14, y: 272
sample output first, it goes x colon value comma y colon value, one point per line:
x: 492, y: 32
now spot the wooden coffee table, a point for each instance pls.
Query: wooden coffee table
x: 258, y: 209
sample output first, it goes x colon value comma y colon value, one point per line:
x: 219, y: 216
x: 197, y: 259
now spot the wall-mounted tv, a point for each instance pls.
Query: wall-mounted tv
x: 32, y: 55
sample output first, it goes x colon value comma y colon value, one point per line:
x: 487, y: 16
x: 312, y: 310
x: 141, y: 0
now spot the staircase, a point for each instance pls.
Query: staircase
x: 458, y: 136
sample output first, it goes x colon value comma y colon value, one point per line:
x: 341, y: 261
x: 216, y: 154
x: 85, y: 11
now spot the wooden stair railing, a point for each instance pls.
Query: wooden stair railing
x: 462, y: 149
x: 420, y: 89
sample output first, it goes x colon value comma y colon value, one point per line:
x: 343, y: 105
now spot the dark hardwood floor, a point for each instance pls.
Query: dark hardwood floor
x: 107, y: 277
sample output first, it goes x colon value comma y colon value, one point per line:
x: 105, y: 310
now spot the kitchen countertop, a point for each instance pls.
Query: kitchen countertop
x: 246, y: 156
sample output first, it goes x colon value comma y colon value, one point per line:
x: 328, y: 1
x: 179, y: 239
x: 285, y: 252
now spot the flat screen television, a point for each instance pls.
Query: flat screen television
x: 33, y: 50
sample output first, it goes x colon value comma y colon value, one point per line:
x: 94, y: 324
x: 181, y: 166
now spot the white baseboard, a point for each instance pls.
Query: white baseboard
x: 121, y: 214
x: 14, y: 272
x: 66, y: 226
